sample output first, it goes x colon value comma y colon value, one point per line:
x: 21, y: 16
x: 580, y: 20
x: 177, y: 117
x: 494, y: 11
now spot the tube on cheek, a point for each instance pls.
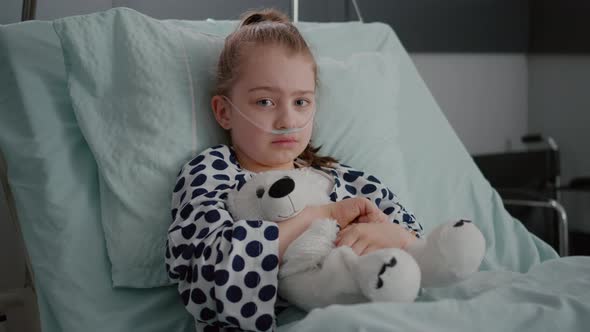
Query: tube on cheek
x: 266, y: 127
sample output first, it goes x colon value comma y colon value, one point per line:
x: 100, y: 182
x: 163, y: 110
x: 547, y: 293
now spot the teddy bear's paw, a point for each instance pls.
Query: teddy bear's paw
x: 309, y: 250
x: 388, y: 275
x: 323, y: 228
x: 461, y: 246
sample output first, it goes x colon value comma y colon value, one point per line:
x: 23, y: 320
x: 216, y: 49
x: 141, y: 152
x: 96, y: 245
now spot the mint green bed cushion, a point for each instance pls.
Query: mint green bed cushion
x: 129, y: 85
x: 55, y: 181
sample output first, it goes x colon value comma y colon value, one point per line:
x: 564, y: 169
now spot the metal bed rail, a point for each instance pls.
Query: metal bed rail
x: 562, y: 227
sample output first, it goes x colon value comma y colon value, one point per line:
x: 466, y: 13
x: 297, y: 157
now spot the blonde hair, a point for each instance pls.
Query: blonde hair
x: 264, y: 27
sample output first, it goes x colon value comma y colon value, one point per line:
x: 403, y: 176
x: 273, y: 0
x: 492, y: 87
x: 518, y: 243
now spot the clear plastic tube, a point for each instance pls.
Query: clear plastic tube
x: 270, y: 130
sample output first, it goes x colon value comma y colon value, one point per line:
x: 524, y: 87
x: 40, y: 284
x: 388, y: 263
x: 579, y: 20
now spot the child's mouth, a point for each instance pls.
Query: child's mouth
x: 285, y: 142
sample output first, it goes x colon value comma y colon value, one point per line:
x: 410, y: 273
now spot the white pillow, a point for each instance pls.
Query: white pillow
x: 357, y: 115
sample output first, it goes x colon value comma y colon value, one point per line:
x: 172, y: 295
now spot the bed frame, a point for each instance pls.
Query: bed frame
x: 20, y: 296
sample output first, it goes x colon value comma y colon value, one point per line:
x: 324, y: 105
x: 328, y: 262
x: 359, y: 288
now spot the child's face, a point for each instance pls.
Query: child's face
x: 277, y: 90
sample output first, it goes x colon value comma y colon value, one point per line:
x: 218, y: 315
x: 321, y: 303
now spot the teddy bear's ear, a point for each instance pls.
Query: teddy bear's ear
x: 241, y: 204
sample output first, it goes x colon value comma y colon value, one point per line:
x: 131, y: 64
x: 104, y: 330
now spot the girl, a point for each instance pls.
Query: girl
x: 226, y: 269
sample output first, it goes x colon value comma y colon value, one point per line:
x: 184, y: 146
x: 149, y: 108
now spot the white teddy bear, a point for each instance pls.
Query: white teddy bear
x: 314, y: 273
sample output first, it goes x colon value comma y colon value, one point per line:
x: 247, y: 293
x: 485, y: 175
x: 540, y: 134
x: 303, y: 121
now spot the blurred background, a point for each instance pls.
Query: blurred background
x: 499, y: 69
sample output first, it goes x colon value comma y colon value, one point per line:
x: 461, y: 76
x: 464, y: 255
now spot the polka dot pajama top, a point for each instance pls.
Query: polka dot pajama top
x: 227, y: 269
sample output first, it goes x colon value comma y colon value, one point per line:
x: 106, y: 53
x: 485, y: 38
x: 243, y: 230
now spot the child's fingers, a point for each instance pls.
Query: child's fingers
x: 344, y: 231
x: 369, y: 249
x: 347, y: 239
x: 371, y: 218
x: 363, y: 219
x: 341, y: 233
x: 359, y: 246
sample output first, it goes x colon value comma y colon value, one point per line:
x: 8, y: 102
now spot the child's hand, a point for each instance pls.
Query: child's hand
x: 364, y: 238
x: 357, y: 209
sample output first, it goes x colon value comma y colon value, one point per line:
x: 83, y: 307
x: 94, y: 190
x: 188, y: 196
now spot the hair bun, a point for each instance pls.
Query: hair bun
x: 266, y: 15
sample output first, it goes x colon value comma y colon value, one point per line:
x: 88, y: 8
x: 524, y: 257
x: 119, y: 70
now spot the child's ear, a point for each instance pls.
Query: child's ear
x: 221, y: 111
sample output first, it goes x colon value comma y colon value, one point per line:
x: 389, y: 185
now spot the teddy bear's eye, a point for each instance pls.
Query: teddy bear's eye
x: 259, y: 192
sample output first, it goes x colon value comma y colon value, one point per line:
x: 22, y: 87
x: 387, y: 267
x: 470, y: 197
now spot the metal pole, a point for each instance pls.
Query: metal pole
x: 357, y: 10
x: 29, y: 9
x: 295, y: 9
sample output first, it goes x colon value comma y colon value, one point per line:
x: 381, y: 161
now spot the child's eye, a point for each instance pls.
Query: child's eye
x: 264, y: 102
x: 301, y: 102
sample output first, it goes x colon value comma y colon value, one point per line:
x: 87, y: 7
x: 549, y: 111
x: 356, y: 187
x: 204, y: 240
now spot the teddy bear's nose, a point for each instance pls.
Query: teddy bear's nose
x: 281, y: 187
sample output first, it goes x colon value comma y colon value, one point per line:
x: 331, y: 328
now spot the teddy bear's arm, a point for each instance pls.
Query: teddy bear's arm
x: 310, y: 249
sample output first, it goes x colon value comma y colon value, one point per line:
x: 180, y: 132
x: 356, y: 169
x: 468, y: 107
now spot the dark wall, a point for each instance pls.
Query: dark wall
x: 560, y: 26
x: 471, y: 26
x: 490, y: 26
x: 453, y: 26
x: 200, y: 9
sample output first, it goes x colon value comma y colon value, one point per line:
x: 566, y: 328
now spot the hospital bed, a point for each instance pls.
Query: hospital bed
x: 58, y: 81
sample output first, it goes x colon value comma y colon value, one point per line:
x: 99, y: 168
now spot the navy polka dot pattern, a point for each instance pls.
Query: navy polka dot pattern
x: 271, y: 233
x: 221, y: 277
x: 270, y: 262
x: 207, y: 314
x: 199, y: 249
x: 219, y: 305
x: 186, y: 211
x: 249, y: 309
x: 252, y: 279
x: 208, y: 272
x: 219, y: 165
x: 222, y: 177
x: 189, y: 231
x: 199, y: 180
x: 234, y: 293
x: 238, y: 263
x: 264, y: 322
x: 198, y: 191
x: 267, y: 293
x: 207, y: 253
x: 197, y: 169
x: 253, y: 223
x: 196, y: 160
x: 179, y: 185
x: 185, y: 296
x: 350, y: 189
x: 203, y: 233
x: 226, y: 269
x: 212, y: 216
x: 232, y: 320
x: 239, y: 233
x: 198, y: 297
x: 254, y: 248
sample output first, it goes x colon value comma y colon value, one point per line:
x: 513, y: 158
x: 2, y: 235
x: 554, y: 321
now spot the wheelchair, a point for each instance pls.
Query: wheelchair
x: 529, y: 182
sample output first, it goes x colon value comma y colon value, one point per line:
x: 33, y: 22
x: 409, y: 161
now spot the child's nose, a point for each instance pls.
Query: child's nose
x: 287, y: 117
